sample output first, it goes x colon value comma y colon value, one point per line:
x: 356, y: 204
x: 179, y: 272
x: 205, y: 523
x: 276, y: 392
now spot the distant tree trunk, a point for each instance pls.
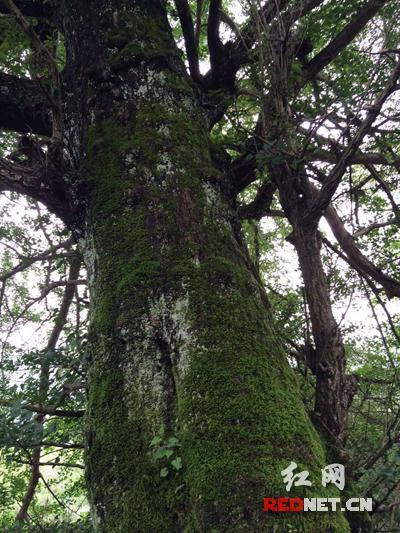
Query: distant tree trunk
x: 334, y: 390
x: 181, y: 340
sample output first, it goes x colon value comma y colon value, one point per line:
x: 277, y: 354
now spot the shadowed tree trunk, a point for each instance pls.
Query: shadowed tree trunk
x: 180, y: 333
x: 181, y: 340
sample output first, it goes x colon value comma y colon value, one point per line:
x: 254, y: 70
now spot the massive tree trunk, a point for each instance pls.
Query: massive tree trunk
x: 181, y: 341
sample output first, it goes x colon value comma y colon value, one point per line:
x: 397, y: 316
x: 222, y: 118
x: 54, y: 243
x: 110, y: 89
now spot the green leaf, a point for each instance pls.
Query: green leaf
x: 155, y: 441
x: 173, y: 441
x: 177, y: 463
x: 160, y: 453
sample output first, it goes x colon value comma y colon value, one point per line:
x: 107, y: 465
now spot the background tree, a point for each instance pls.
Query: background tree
x: 156, y: 169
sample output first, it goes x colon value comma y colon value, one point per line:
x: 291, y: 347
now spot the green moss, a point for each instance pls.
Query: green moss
x: 237, y: 409
x: 123, y: 478
x: 242, y: 413
x: 141, y: 38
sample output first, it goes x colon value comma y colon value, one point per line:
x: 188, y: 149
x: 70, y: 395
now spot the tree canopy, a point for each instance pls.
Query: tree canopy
x: 302, y: 105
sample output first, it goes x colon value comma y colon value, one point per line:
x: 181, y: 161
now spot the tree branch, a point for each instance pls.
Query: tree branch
x: 261, y: 204
x: 22, y: 106
x: 44, y: 410
x: 375, y: 225
x: 328, y: 189
x: 359, y: 158
x: 53, y: 464
x: 33, y: 482
x: 355, y: 256
x: 396, y: 209
x: 64, y: 445
x: 226, y: 19
x: 199, y: 16
x: 215, y: 45
x: 242, y: 172
x: 339, y: 43
x: 248, y: 36
x: 28, y: 261
x: 37, y: 182
x: 53, y: 96
x: 187, y: 25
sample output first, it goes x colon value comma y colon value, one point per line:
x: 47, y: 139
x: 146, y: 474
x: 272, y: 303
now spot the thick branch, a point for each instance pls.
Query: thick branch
x: 356, y: 258
x: 226, y: 19
x: 215, y: 46
x: 334, y: 390
x: 22, y: 179
x: 250, y: 32
x: 33, y: 482
x: 186, y: 21
x: 339, y: 43
x: 37, y: 182
x: 22, y: 106
x: 243, y: 172
x: 199, y: 16
x: 227, y: 59
x: 261, y: 205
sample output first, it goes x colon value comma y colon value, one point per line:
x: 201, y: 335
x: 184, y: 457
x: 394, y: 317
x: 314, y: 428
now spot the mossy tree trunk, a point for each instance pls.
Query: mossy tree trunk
x: 181, y: 340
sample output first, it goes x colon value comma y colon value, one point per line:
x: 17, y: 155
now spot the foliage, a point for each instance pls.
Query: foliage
x: 37, y: 255
x: 167, y: 452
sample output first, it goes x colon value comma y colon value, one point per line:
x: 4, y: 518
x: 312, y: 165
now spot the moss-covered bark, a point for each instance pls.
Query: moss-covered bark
x: 181, y: 340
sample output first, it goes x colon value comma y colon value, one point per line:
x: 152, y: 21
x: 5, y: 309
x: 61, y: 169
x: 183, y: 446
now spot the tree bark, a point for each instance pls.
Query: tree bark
x: 181, y: 340
x: 334, y: 389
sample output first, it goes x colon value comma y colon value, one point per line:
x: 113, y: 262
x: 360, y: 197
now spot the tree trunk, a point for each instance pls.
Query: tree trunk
x: 334, y: 389
x: 181, y: 341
